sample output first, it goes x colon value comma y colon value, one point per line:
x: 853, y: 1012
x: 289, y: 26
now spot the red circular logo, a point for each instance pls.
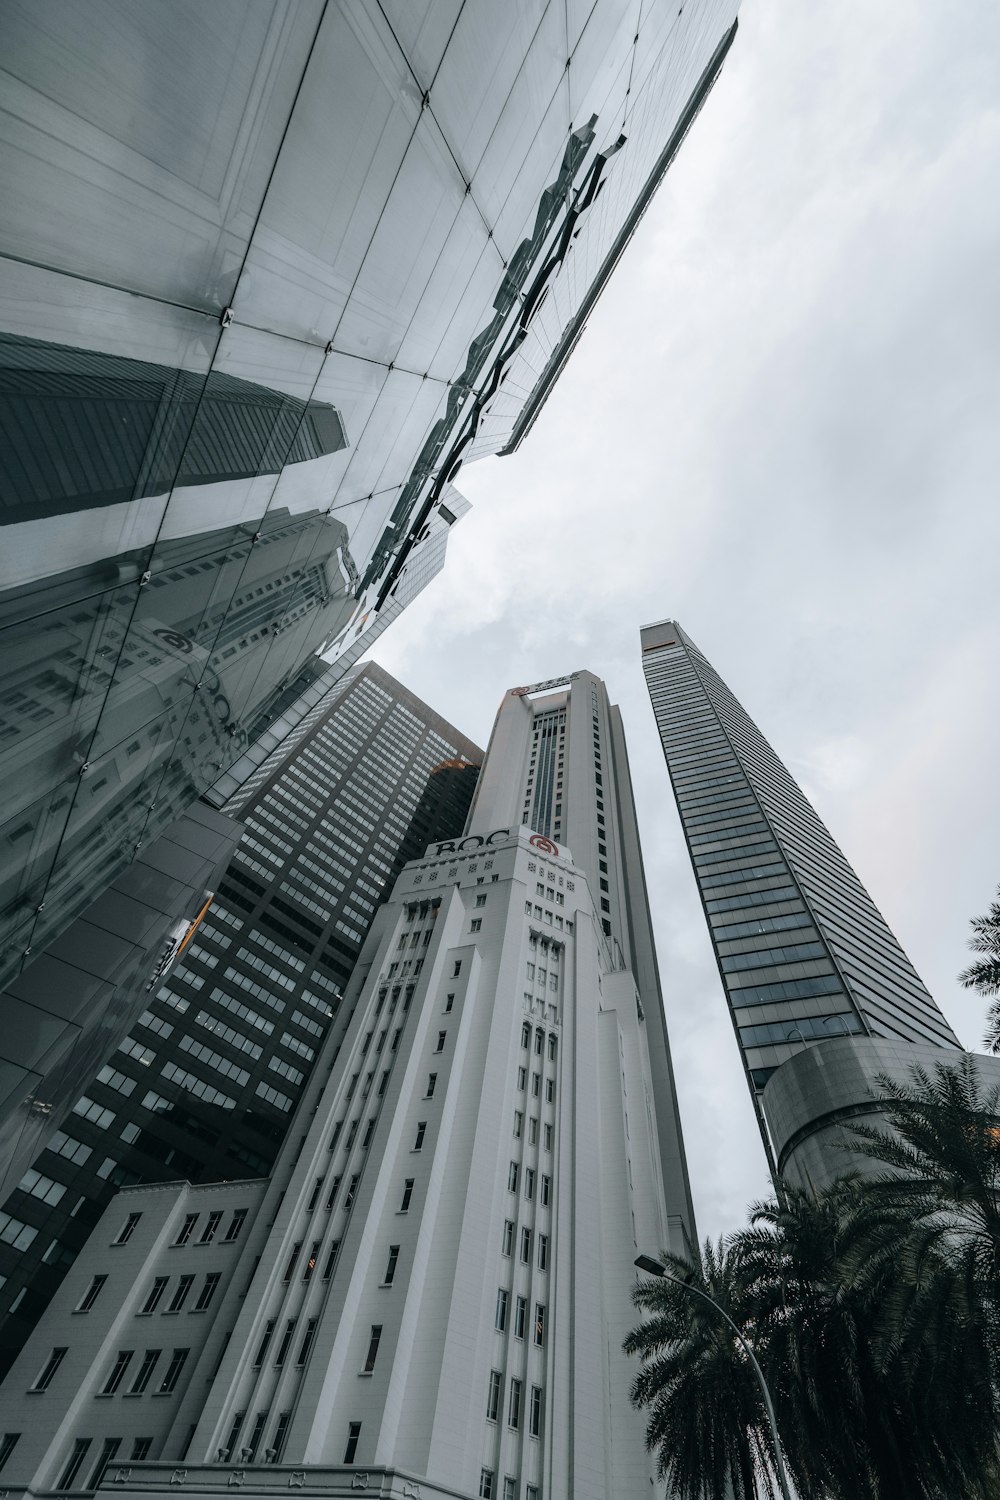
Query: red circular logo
x: 546, y: 845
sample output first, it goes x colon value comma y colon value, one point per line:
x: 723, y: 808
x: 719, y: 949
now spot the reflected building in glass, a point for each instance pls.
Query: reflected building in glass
x: 271, y: 273
x: 804, y: 955
x: 204, y: 1084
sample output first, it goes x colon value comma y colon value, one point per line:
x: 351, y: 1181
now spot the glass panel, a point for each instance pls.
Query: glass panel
x: 349, y: 132
x: 422, y: 28
x: 143, y: 163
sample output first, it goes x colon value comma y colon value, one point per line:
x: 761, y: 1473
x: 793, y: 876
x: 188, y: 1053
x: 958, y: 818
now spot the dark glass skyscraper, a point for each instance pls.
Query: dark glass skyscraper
x: 272, y: 273
x: 204, y: 1085
x: 803, y: 952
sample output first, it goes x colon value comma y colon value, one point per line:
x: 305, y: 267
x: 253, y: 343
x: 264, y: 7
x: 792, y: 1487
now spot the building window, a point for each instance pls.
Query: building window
x: 145, y: 1371
x: 432, y: 1079
x: 390, y: 1269
x: 353, y: 1437
x: 522, y: 1078
x: 208, y: 1290
x: 440, y: 1041
x: 493, y: 1395
x: 307, y: 1343
x: 421, y: 1132
x: 520, y: 1313
x: 352, y: 1188
x: 269, y: 1328
x: 155, y: 1293
x: 529, y: 1183
x: 535, y: 1412
x: 518, y: 1124
x: 550, y: 1090
x: 68, y: 1476
x: 369, y: 1132
x: 526, y: 1035
x: 532, y: 1131
x: 547, y: 1137
x: 334, y: 1190
x: 552, y: 1047
x: 211, y: 1229
x: 125, y: 1233
x: 311, y: 1260
x: 8, y: 1443
x: 543, y: 1252
x: 373, y: 1344
x: 512, y: 1176
x: 544, y: 1188
x: 331, y: 1260
x: 449, y: 1001
x: 140, y: 1448
x: 486, y: 1484
x: 514, y: 1404
x: 539, y: 1337
x: 91, y: 1295
x: 536, y: 1085
x: 122, y: 1361
x: 500, y: 1317
x: 317, y: 1188
x: 481, y: 900
x: 476, y: 924
x: 186, y: 1229
x: 507, y: 1243
x: 539, y: 1042
x: 176, y: 1365
x: 525, y: 1245
x: 457, y: 969
x: 179, y: 1298
x: 407, y: 1195
x: 283, y: 1346
x: 509, y: 1488
x: 280, y: 1433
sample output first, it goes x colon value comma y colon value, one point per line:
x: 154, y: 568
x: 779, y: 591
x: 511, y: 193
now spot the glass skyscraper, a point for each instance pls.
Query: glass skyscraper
x: 204, y: 1085
x: 272, y: 271
x: 803, y: 952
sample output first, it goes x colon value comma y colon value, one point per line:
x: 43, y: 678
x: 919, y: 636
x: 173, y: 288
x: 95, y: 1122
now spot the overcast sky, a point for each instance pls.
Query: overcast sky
x: 781, y: 428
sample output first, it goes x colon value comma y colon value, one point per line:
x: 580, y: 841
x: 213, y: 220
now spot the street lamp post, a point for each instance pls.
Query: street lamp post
x: 654, y: 1268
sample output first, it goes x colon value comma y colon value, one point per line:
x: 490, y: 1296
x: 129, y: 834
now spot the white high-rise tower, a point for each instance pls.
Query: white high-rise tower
x: 432, y: 1295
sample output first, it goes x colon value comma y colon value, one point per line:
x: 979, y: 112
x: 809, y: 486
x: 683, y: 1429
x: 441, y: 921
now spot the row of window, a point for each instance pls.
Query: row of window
x: 186, y: 1231
x: 116, y: 1375
x: 487, y: 1491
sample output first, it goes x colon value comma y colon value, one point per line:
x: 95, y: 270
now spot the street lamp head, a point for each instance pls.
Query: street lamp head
x: 647, y: 1263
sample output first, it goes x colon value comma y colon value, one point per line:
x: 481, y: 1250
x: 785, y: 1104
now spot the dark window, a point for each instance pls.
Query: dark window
x: 236, y: 1224
x: 179, y: 1298
x: 140, y: 1448
x: 500, y: 1318
x: 449, y: 1001
x: 334, y: 1189
x: 520, y: 1313
x: 208, y: 1290
x: 543, y: 1190
x: 265, y: 1340
x: 432, y: 1079
x: 145, y: 1371
x: 526, y: 1035
x: 311, y: 1260
x: 8, y: 1443
x: 211, y: 1228
x: 352, y: 1188
x: 292, y: 1260
x: 539, y: 1324
x: 486, y: 1484
x: 535, y: 1412
x: 525, y: 1245
x: 45, y: 1375
x: 91, y: 1295
x: 317, y: 1188
x: 353, y: 1436
x: 529, y: 1182
x: 421, y: 1130
x: 186, y: 1229
x: 457, y: 969
x: 286, y: 1339
x: 369, y: 1132
x: 280, y: 1433
x: 125, y: 1233
x: 155, y: 1293
x: 514, y: 1404
x: 507, y: 1243
x: 373, y: 1344
x: 176, y: 1365
x: 307, y: 1341
x: 249, y: 1451
x: 407, y: 1195
x: 331, y: 1260
x: 72, y: 1469
x: 543, y: 1252
x: 390, y: 1270
x: 512, y: 1176
x: 493, y: 1395
x: 122, y: 1361
x: 109, y: 1448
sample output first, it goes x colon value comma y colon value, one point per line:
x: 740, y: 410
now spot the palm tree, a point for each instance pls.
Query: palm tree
x: 707, y: 1422
x: 874, y: 1377
x: 984, y: 974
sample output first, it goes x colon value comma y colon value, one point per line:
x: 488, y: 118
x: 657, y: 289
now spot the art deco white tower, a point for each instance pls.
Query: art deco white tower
x: 446, y: 1247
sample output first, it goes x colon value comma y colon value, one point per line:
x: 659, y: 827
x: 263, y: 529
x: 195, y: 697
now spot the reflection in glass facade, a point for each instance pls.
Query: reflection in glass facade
x: 803, y: 952
x: 271, y: 272
x: 204, y: 1085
